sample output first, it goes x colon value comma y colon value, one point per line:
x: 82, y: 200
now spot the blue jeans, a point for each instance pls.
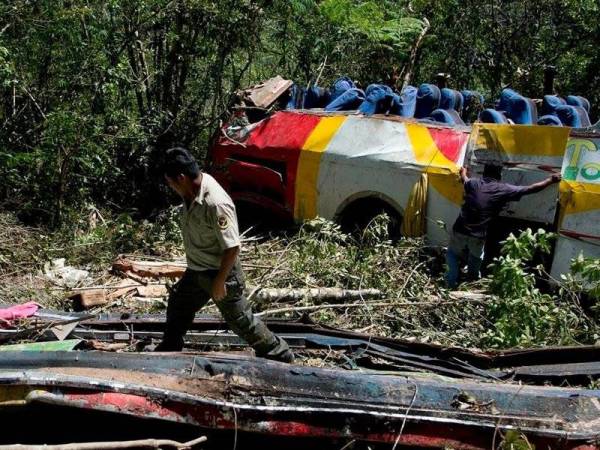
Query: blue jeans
x: 459, y: 246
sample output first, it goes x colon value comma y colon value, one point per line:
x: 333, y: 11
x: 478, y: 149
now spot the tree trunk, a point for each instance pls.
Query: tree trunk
x: 414, y: 55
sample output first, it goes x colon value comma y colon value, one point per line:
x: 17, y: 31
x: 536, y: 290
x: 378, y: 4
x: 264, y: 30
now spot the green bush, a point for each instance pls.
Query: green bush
x: 587, y: 272
x: 521, y: 315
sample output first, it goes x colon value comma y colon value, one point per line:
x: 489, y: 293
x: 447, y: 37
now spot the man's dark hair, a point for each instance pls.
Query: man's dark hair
x: 492, y: 171
x: 177, y: 161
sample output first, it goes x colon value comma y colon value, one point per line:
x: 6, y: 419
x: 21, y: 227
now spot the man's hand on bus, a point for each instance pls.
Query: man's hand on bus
x: 556, y: 177
x: 541, y: 185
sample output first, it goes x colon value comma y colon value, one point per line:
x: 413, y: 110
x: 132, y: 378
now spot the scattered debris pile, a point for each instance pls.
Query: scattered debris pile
x: 138, y: 284
x: 146, y: 280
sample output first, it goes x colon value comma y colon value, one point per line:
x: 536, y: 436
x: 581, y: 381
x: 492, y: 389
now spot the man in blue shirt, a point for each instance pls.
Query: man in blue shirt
x: 485, y: 198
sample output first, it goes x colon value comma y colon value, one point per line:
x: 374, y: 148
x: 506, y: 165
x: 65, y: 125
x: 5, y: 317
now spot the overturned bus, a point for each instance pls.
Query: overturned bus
x: 349, y: 166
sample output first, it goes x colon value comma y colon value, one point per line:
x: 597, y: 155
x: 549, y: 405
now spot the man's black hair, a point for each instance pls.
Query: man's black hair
x: 492, y: 171
x: 178, y: 160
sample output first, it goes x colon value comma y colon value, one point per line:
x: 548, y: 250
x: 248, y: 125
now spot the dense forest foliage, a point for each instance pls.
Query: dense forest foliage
x: 92, y: 92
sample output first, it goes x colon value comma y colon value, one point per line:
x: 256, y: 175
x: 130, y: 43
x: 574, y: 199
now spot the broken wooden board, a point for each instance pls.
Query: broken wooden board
x: 264, y: 94
x: 152, y: 290
x: 89, y: 298
x: 62, y: 331
x: 151, y: 269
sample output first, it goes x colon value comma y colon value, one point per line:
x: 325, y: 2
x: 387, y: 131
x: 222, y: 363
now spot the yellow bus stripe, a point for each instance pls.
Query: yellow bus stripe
x: 305, y: 205
x: 521, y: 139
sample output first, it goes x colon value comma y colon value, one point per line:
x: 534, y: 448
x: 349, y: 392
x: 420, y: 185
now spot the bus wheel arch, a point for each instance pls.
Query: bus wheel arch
x: 355, y: 213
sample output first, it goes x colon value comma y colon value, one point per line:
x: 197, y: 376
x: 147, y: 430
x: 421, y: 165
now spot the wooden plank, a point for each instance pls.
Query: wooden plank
x: 264, y: 94
x: 101, y: 296
x: 152, y: 290
x: 151, y: 269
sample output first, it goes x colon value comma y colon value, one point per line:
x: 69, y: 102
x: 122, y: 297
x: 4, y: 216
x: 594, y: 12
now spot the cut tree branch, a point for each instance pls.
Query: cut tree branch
x: 142, y: 443
x: 316, y: 295
x: 466, y: 299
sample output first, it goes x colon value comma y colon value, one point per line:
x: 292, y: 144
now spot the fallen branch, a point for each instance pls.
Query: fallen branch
x: 322, y: 67
x: 408, y: 278
x: 142, y: 443
x: 470, y: 296
x: 365, y: 329
x: 97, y: 287
x: 355, y: 305
x: 241, y: 144
x: 317, y: 295
x: 318, y: 307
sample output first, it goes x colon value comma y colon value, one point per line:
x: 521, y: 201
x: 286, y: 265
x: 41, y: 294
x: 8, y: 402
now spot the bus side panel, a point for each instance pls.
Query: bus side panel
x: 445, y: 197
x: 579, y: 222
x: 366, y: 156
x: 528, y: 154
x: 568, y: 248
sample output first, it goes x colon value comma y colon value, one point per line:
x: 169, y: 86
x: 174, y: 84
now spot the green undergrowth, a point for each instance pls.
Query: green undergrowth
x: 515, y: 306
x: 89, y: 240
x: 522, y: 313
x: 521, y: 308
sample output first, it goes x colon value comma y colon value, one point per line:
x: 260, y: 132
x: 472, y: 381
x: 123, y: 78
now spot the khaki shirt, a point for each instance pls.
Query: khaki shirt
x: 209, y: 226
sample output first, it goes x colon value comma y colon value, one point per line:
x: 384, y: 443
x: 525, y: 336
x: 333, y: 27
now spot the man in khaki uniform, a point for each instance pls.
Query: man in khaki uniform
x: 212, y: 246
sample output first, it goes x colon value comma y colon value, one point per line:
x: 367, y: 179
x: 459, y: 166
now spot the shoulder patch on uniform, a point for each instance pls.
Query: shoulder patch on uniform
x: 223, y: 222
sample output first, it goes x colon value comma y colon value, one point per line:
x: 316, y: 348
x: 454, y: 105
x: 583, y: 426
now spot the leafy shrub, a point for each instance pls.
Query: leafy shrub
x: 521, y: 315
x: 587, y: 270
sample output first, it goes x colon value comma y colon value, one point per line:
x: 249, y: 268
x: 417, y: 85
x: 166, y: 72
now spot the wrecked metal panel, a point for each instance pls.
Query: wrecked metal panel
x: 230, y: 418
x: 294, y: 392
x: 50, y: 346
x: 583, y: 372
x: 352, y: 421
x: 414, y: 361
x: 569, y: 364
x: 148, y: 322
x: 216, y: 338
